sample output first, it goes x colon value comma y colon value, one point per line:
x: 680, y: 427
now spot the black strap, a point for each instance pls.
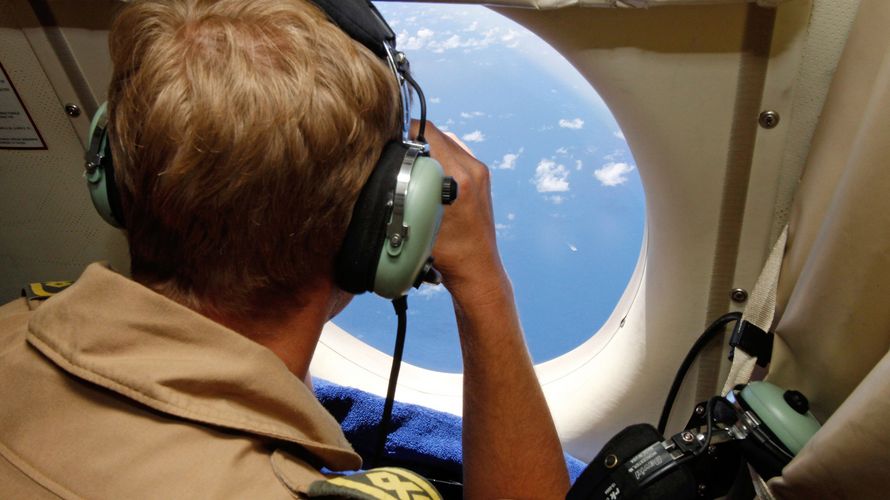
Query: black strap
x: 360, y: 20
x: 754, y: 341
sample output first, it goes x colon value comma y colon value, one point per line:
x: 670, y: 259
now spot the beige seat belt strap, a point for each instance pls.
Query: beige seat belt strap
x: 760, y: 311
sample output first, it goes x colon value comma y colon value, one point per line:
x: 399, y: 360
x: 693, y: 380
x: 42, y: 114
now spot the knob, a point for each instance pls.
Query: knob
x: 428, y: 274
x: 797, y: 401
x: 449, y: 190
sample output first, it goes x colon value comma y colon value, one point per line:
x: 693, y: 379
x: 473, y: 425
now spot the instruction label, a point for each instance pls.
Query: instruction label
x: 17, y: 129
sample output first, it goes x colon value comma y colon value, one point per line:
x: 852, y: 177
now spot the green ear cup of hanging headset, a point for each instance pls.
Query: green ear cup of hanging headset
x: 793, y: 427
x: 399, y: 266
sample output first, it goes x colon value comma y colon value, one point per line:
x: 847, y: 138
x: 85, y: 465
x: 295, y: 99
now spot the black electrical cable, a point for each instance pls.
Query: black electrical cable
x: 420, y: 97
x: 401, y: 307
x: 709, y: 416
x: 715, y: 328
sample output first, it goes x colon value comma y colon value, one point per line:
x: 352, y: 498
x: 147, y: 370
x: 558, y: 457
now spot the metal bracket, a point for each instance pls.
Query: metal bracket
x: 396, y: 231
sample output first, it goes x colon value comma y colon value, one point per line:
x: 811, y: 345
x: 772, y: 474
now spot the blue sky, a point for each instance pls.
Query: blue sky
x: 568, y: 202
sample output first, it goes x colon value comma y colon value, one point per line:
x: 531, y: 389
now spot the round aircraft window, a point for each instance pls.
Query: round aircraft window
x: 569, y: 205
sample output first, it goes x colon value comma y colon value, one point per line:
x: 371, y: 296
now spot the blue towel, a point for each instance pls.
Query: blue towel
x: 422, y: 439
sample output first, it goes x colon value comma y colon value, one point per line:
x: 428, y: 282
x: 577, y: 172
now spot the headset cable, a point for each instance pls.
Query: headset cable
x: 401, y: 308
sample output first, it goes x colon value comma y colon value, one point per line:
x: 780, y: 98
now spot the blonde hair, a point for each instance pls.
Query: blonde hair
x: 242, y: 133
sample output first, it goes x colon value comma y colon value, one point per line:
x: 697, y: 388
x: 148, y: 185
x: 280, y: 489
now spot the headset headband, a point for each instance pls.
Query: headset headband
x: 361, y: 20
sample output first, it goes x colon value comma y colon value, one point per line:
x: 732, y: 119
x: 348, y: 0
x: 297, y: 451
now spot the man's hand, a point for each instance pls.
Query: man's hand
x: 510, y: 446
x: 466, y: 250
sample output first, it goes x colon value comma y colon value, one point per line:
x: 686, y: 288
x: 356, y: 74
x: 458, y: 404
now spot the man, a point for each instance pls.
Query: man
x: 242, y: 133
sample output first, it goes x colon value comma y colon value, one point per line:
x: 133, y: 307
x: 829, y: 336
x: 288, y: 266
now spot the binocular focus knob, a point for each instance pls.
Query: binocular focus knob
x: 428, y: 274
x: 449, y: 190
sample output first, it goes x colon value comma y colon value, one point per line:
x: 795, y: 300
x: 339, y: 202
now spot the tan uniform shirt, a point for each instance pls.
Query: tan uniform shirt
x: 109, y: 390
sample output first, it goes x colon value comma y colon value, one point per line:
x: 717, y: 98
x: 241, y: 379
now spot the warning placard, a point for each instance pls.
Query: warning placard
x: 17, y: 129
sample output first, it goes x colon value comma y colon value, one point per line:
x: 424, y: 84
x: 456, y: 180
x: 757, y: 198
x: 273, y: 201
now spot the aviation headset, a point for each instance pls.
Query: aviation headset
x: 388, y: 245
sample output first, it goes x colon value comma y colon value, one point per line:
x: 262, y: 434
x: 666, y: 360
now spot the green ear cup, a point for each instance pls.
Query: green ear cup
x: 97, y: 158
x: 792, y: 428
x: 399, y: 266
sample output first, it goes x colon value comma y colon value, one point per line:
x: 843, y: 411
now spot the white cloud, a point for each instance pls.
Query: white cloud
x: 416, y: 41
x: 613, y: 174
x: 440, y: 46
x: 510, y: 39
x: 619, y: 135
x: 572, y: 124
x: 511, y: 216
x: 572, y: 247
x: 551, y: 177
x: 474, y: 136
x: 427, y: 291
x: 471, y: 114
x: 563, y: 151
x: 614, y: 155
x: 509, y: 160
x: 427, y: 39
x: 578, y: 164
x: 556, y: 199
x: 435, y: 100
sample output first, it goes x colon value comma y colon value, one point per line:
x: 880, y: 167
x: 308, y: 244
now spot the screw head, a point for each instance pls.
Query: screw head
x: 72, y: 110
x: 687, y: 437
x: 739, y: 295
x: 699, y: 410
x: 396, y: 240
x: 768, y: 119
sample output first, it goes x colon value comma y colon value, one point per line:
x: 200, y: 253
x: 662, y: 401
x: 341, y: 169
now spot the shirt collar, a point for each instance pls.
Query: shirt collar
x: 120, y: 335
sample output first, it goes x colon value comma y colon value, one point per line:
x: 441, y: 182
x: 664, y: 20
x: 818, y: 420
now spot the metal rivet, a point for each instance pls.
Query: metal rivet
x: 396, y: 240
x: 739, y: 295
x: 687, y: 437
x: 699, y: 410
x: 768, y: 119
x: 611, y: 461
x: 72, y: 110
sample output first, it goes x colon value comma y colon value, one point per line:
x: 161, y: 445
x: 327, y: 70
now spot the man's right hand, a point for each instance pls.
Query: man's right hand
x: 466, y: 249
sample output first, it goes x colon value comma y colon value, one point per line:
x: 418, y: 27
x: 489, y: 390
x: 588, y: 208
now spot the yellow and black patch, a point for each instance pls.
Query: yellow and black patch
x: 44, y: 289
x: 385, y: 483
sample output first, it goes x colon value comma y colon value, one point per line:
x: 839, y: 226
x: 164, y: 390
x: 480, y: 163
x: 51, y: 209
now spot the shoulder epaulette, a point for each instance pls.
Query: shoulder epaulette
x: 44, y: 289
x: 385, y: 483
